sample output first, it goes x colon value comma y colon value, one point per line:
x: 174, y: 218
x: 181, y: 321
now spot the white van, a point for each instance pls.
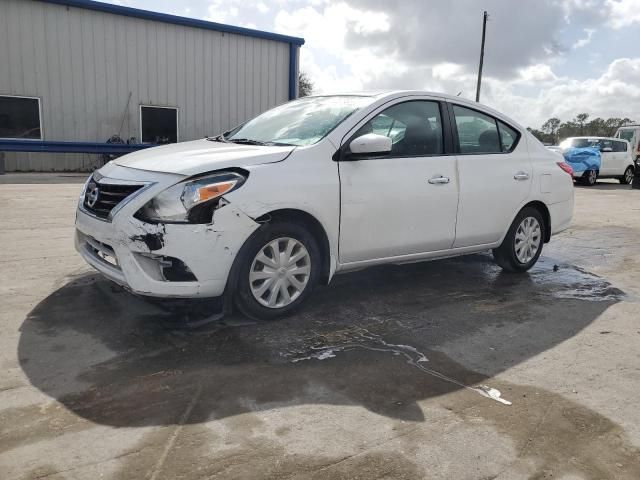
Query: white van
x: 631, y: 133
x: 616, y: 159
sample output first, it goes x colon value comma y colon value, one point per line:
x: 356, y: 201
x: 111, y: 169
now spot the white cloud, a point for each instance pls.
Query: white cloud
x: 615, y: 93
x: 447, y: 71
x: 330, y: 63
x: 582, y: 42
x: 537, y: 73
x: 623, y: 12
x: 222, y: 11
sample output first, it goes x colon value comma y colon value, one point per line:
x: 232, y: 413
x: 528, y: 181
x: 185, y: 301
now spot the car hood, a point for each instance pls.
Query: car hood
x: 200, y: 156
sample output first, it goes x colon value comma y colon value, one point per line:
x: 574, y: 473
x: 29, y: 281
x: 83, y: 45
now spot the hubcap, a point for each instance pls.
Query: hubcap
x: 528, y: 238
x: 280, y: 272
x: 593, y: 175
x: 629, y: 175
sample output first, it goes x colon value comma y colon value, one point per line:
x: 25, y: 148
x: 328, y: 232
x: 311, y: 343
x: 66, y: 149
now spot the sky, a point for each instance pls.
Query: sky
x: 543, y: 58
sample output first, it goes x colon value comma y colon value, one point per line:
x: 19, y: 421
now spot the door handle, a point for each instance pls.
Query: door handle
x: 438, y: 180
x: 521, y: 176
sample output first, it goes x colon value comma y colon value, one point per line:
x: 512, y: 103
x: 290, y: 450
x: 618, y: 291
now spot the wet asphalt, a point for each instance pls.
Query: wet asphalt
x: 444, y: 369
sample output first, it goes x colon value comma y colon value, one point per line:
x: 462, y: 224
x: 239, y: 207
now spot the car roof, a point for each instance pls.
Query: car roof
x: 392, y: 94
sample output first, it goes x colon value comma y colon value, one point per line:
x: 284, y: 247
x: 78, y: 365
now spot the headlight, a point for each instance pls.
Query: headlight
x: 191, y: 201
x: 83, y: 192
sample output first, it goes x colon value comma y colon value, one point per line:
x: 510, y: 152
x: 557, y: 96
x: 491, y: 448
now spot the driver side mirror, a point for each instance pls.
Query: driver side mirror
x: 370, y: 144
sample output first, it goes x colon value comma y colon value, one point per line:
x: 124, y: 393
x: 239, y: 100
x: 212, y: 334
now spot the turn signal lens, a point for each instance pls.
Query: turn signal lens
x: 566, y: 167
x: 202, y: 194
x: 206, y: 189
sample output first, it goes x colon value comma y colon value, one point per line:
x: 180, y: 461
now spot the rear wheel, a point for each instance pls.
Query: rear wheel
x: 627, y: 178
x: 590, y: 178
x: 522, y: 245
x: 279, y: 267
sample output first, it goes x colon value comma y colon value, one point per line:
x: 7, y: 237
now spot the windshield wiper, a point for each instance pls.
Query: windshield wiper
x: 248, y: 141
x: 219, y: 138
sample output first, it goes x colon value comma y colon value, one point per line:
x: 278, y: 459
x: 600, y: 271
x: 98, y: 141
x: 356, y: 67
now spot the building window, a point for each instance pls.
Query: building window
x: 158, y: 124
x: 20, y: 117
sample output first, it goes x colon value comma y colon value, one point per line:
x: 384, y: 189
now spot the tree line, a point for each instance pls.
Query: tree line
x: 554, y: 130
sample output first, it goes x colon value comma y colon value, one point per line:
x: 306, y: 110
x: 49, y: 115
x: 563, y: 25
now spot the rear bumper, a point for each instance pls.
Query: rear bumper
x: 165, y: 260
x: 561, y: 214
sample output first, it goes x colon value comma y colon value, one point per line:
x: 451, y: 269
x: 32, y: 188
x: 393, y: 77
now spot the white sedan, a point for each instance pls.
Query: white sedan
x: 318, y: 186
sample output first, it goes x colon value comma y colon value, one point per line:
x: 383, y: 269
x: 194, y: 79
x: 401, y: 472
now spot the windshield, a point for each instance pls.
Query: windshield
x: 301, y: 122
x: 626, y: 134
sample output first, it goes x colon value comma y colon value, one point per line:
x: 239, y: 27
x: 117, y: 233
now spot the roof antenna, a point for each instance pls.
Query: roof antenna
x: 459, y: 93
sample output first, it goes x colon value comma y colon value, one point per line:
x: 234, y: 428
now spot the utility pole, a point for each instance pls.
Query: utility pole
x: 484, y: 31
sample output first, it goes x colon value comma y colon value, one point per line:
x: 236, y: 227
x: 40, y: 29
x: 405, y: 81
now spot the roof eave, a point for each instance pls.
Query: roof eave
x: 176, y: 20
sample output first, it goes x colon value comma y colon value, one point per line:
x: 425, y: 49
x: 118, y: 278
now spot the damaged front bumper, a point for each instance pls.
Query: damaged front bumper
x: 163, y: 260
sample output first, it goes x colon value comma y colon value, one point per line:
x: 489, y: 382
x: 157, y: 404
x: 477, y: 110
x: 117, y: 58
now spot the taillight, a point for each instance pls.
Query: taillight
x: 638, y: 147
x: 566, y: 167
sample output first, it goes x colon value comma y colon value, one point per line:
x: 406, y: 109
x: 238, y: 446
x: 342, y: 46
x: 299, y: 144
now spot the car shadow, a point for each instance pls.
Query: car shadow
x: 384, y: 339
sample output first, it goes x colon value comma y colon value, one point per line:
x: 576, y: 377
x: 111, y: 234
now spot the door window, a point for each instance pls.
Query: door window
x: 477, y: 132
x: 625, y: 135
x: 619, y: 146
x: 606, y: 144
x: 415, y: 128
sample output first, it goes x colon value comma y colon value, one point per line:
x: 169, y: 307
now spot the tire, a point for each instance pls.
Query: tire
x: 256, y: 268
x: 589, y: 178
x: 627, y: 178
x: 506, y: 254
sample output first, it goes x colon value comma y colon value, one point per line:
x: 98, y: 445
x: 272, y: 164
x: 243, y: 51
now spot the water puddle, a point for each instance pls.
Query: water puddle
x: 364, y: 339
x: 572, y: 282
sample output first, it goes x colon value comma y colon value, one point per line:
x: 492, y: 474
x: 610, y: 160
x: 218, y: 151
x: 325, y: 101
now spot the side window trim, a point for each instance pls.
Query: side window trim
x: 445, y: 119
x: 516, y: 140
x: 456, y: 138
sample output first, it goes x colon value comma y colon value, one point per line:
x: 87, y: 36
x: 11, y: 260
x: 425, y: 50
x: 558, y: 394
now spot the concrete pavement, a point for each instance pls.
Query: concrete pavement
x: 387, y: 373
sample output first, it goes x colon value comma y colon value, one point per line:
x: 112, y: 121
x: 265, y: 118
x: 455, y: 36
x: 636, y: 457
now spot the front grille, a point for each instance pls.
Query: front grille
x: 100, y: 198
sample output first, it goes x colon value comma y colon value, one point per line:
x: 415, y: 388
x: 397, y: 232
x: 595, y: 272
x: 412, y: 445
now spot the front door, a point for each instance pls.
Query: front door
x: 403, y: 202
x: 608, y: 158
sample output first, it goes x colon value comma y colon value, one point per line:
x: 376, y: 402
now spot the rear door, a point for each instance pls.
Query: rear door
x: 495, y: 175
x: 623, y: 155
x: 403, y: 202
x: 608, y: 158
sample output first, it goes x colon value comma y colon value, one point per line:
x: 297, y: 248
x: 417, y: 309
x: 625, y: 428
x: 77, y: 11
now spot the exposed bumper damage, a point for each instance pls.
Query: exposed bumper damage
x: 165, y: 260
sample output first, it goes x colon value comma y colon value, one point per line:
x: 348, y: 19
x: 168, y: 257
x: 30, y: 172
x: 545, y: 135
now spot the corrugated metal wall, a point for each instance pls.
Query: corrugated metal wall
x: 83, y: 64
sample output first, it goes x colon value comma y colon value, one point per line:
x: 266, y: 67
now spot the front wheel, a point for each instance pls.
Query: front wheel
x: 627, y: 178
x: 279, y: 267
x: 522, y: 245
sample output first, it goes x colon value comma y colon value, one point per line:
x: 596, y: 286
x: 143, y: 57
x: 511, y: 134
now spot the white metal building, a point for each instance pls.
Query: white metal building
x: 81, y: 71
